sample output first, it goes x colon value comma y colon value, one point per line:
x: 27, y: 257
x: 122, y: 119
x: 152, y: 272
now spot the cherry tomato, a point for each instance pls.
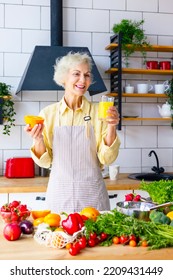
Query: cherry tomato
x: 132, y: 243
x: 93, y: 235
x: 68, y: 246
x: 132, y: 237
x: 123, y: 239
x: 73, y: 251
x: 82, y: 242
x: 116, y: 240
x: 76, y: 245
x: 91, y: 242
x: 97, y: 240
x: 144, y: 243
x: 103, y: 236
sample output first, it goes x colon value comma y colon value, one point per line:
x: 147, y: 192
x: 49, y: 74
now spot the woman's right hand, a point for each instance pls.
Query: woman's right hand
x: 36, y: 132
x: 37, y: 136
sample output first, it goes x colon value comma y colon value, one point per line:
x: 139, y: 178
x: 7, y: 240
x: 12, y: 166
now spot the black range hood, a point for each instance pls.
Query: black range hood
x: 39, y: 72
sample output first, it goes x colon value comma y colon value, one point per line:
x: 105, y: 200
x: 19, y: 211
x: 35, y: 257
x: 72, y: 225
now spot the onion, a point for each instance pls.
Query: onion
x: 26, y: 227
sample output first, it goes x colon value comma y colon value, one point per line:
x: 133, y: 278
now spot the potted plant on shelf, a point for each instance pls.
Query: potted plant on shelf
x: 133, y: 35
x: 6, y: 108
x: 169, y: 93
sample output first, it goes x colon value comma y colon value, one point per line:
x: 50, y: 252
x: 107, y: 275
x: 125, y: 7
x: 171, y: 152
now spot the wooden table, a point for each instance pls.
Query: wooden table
x: 26, y: 248
x: 39, y: 184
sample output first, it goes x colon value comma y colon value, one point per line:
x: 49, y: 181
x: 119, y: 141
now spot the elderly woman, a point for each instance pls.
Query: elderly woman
x: 73, y: 142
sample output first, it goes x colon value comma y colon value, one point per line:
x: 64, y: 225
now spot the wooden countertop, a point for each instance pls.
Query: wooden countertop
x: 26, y: 248
x: 39, y: 184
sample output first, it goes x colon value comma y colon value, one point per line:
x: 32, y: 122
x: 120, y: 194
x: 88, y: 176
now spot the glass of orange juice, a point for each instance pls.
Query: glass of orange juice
x: 104, y: 104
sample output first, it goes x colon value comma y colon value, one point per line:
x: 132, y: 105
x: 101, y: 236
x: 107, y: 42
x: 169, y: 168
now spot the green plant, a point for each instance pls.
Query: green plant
x: 169, y: 93
x: 133, y: 35
x: 7, y: 107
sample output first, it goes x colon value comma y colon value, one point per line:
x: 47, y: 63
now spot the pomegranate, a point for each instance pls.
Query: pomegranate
x: 12, y: 231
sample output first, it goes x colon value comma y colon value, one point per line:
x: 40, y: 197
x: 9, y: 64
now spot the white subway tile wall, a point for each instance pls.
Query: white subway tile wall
x: 26, y: 23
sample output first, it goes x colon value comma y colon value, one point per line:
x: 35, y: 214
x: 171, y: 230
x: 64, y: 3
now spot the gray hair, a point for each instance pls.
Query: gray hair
x: 65, y: 63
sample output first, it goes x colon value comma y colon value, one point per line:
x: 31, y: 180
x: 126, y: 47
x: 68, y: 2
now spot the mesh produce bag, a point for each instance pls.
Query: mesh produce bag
x: 55, y: 239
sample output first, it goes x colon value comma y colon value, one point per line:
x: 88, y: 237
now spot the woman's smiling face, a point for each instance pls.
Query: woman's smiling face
x: 78, y: 79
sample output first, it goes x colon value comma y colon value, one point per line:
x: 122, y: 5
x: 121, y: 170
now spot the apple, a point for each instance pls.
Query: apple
x: 12, y: 231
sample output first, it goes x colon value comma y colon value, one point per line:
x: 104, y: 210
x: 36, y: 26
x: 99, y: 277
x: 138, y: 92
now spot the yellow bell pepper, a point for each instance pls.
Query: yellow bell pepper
x: 170, y: 215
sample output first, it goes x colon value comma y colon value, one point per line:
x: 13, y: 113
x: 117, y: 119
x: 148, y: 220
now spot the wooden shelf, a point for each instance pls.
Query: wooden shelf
x: 146, y: 119
x: 155, y: 95
x: 153, y: 48
x: 116, y: 72
x: 140, y: 71
x: 150, y: 95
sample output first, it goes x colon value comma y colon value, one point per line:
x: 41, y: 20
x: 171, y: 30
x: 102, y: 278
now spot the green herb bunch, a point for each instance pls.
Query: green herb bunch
x: 133, y: 34
x: 115, y: 223
x: 7, y: 107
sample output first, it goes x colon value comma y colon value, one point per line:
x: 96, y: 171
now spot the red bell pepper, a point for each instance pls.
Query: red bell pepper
x: 80, y: 220
x: 73, y: 223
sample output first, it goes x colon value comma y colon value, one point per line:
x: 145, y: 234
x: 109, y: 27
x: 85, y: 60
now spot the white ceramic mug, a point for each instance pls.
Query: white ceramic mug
x: 160, y: 88
x: 144, y: 88
x: 114, y: 171
x: 129, y: 89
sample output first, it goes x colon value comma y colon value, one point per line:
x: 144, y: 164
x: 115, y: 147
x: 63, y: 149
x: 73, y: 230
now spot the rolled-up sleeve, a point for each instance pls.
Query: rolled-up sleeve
x: 44, y: 161
x: 107, y: 154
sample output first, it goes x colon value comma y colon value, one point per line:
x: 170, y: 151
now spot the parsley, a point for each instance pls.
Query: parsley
x: 115, y: 223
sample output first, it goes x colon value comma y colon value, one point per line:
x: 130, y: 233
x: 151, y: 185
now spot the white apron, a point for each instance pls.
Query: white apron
x: 75, y: 180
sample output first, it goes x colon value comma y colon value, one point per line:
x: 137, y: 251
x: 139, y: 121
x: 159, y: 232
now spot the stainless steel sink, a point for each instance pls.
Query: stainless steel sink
x: 151, y: 176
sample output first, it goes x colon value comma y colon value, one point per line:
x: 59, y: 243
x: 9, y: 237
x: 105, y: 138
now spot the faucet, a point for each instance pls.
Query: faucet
x: 156, y: 169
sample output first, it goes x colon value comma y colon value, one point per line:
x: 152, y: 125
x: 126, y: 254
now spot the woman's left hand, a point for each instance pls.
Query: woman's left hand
x: 114, y: 117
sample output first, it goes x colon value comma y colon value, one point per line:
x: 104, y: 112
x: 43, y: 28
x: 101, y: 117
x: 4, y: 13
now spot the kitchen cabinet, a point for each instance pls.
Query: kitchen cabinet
x: 3, y: 198
x: 32, y: 200
x: 116, y: 72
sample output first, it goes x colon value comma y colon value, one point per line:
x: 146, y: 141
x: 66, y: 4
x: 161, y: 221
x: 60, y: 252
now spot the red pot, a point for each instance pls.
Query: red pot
x: 152, y: 64
x: 165, y: 65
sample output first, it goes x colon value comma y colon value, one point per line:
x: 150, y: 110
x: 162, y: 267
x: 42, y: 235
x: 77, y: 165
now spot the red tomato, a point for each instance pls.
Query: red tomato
x: 93, y: 235
x: 123, y: 239
x: 73, y: 251
x: 116, y: 240
x: 132, y: 237
x: 91, y: 242
x: 76, y: 245
x: 103, y: 236
x: 12, y: 231
x: 82, y: 242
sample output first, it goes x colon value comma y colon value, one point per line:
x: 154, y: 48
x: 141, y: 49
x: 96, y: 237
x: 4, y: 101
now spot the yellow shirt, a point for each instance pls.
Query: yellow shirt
x: 68, y: 117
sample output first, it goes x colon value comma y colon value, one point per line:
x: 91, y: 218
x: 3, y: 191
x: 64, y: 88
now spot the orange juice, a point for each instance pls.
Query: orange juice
x: 104, y: 106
